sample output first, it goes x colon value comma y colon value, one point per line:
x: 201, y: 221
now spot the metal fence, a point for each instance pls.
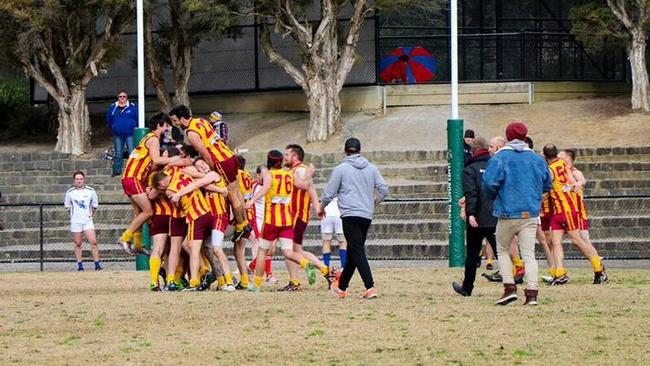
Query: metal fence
x: 527, y: 40
x: 402, y: 229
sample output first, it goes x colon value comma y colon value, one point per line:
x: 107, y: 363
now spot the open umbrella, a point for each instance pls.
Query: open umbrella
x: 408, y: 65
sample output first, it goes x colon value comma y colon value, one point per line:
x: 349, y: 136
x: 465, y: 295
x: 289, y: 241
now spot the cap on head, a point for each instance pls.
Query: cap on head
x: 352, y: 145
x: 469, y: 134
x: 516, y: 131
x: 215, y: 116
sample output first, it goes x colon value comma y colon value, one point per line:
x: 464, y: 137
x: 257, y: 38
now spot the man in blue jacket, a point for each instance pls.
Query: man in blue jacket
x: 515, y: 178
x: 122, y: 119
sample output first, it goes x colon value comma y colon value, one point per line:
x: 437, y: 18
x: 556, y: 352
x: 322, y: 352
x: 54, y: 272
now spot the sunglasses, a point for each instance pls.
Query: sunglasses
x: 121, y: 96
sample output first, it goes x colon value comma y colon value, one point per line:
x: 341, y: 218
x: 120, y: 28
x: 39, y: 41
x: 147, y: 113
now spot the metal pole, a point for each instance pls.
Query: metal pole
x: 455, y: 156
x: 256, y: 45
x: 40, y: 236
x: 140, y: 38
x: 141, y: 262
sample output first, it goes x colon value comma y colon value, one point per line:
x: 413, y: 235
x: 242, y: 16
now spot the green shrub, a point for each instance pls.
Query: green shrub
x: 19, y: 118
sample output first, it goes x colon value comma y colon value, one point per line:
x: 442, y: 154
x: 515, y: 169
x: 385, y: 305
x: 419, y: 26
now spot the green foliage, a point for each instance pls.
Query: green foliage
x: 18, y: 117
x: 188, y: 22
x: 596, y: 27
x: 68, y: 32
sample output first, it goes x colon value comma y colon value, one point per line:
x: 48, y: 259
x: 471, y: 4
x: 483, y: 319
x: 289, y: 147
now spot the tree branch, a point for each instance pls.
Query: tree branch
x: 347, y: 58
x: 618, y: 8
x: 277, y: 59
x: 303, y: 33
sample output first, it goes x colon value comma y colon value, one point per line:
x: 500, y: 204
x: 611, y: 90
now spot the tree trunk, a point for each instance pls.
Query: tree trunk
x: 74, y: 124
x: 640, y: 84
x: 324, y: 109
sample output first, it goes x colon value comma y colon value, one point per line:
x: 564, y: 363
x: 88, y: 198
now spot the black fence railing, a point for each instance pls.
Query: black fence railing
x: 402, y: 229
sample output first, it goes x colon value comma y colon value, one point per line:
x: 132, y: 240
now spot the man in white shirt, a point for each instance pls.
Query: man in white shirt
x: 81, y: 201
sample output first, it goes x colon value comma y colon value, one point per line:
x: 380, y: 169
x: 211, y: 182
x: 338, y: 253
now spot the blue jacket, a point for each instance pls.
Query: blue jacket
x: 515, y: 178
x: 122, y: 123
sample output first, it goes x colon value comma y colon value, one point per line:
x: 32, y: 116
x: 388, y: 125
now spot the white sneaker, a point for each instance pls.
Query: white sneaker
x: 227, y: 288
x: 271, y: 280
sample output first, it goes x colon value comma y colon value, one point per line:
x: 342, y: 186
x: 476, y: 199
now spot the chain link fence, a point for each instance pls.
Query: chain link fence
x: 39, y: 234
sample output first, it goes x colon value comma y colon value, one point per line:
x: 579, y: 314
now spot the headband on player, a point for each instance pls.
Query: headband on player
x: 274, y: 159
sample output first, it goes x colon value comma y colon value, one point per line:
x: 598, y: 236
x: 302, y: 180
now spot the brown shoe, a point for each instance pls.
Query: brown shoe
x: 509, y: 294
x: 531, y: 297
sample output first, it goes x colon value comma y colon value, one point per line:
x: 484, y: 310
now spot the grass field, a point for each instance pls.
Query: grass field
x: 110, y: 318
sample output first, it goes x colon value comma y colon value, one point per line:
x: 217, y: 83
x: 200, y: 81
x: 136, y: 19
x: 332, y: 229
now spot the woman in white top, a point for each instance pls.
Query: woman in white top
x: 332, y: 227
x: 81, y: 201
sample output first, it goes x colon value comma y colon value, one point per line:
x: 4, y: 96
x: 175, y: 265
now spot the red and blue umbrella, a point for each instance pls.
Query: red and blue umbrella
x: 408, y: 65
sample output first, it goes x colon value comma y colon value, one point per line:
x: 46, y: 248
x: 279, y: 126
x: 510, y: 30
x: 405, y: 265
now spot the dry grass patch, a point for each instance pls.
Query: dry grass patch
x: 110, y: 318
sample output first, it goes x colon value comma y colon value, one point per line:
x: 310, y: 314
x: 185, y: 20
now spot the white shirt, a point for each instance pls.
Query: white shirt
x: 81, y: 203
x: 332, y: 209
x: 259, y: 204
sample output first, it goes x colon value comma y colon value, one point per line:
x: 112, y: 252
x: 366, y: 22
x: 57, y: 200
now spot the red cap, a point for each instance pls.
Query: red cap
x: 516, y: 131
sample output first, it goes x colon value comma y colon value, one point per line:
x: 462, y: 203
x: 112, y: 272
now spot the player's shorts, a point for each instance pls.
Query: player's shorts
x: 228, y: 169
x: 584, y: 224
x: 568, y: 221
x: 299, y: 228
x: 220, y: 223
x: 545, y: 222
x: 177, y: 226
x: 200, y: 229
x: 331, y: 225
x: 80, y: 227
x: 132, y: 186
x: 271, y: 233
x: 159, y: 224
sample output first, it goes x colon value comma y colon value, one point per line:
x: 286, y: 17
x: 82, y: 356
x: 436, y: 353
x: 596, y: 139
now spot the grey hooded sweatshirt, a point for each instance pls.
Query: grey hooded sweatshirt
x: 354, y: 182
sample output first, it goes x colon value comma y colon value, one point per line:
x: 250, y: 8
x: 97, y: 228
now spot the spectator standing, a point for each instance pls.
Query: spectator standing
x: 467, y: 144
x: 478, y: 210
x: 122, y: 119
x: 81, y: 201
x: 219, y: 125
x: 354, y: 182
x: 515, y: 178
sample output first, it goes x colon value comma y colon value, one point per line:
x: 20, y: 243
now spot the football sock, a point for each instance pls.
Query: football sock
x: 253, y: 264
x: 244, y: 280
x: 221, y: 281
x: 228, y: 278
x: 326, y: 258
x: 551, y: 271
x: 517, y: 262
x: 267, y: 265
x: 80, y: 266
x: 137, y: 239
x: 127, y: 236
x: 343, y: 254
x: 488, y: 261
x: 179, y: 273
x: 154, y: 268
x: 98, y: 265
x: 596, y: 264
x: 295, y: 282
x: 560, y: 272
x: 194, y: 282
x: 258, y: 281
x: 304, y: 263
x: 203, y: 270
x: 324, y: 270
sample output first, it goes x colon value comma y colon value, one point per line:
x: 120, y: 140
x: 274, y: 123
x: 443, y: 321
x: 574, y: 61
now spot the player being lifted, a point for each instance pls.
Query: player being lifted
x: 277, y: 188
x: 201, y: 135
x: 142, y: 159
x: 566, y: 219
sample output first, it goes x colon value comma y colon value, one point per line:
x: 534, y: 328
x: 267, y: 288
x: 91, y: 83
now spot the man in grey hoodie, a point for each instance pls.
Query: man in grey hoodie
x: 354, y: 182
